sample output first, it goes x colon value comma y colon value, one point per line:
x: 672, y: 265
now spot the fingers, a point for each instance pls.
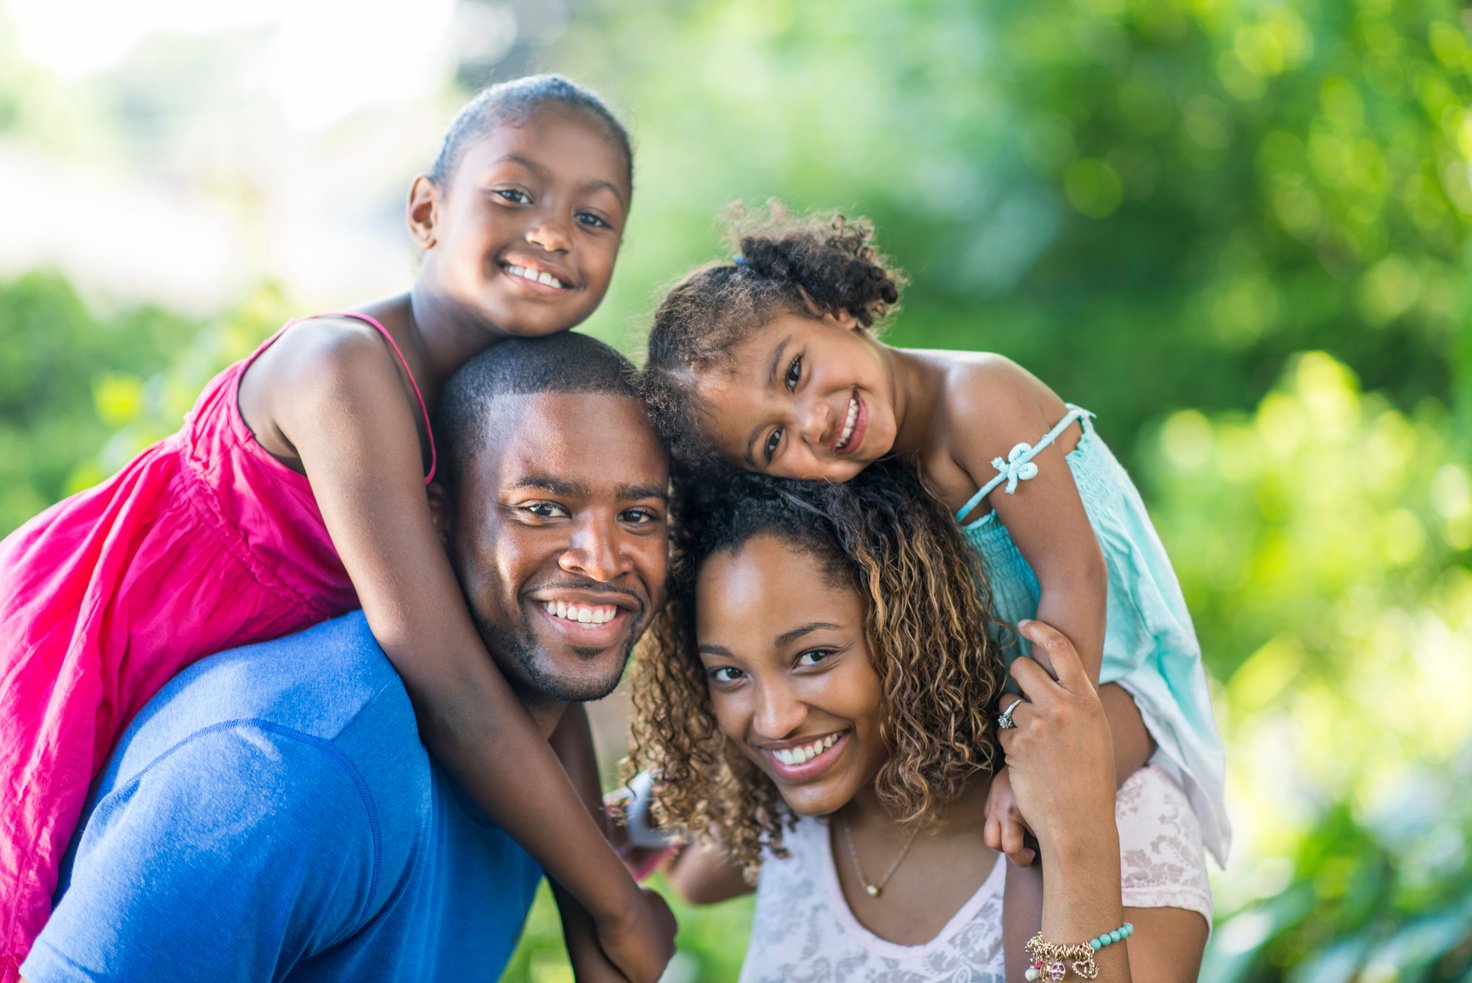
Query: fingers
x: 992, y: 834
x: 1014, y: 843
x: 1036, y: 685
x: 1060, y: 653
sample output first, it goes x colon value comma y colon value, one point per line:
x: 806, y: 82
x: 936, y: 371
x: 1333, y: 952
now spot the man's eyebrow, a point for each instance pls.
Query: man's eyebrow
x: 788, y: 637
x: 635, y: 492
x: 547, y: 483
x: 771, y: 380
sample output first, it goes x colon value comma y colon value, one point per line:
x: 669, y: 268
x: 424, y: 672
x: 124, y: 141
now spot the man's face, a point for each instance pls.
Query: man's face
x: 560, y: 539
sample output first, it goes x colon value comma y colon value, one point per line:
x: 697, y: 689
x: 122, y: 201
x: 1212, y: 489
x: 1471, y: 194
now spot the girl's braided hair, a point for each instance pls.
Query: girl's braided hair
x: 784, y: 264
x: 927, y: 626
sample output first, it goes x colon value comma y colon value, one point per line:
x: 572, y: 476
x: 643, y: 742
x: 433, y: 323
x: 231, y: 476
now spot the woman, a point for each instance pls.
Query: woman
x: 819, y: 696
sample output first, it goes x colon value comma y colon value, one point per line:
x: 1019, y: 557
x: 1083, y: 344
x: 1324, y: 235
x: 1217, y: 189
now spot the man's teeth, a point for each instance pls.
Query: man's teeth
x: 806, y: 753
x: 848, y: 426
x: 587, y: 614
x: 529, y: 274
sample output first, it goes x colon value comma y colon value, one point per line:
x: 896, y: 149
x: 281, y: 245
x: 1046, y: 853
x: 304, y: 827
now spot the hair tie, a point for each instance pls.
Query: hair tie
x: 740, y: 261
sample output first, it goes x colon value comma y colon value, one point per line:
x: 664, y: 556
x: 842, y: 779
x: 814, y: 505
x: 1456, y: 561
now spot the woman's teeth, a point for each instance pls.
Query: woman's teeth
x: 848, y: 426
x: 529, y: 274
x: 586, y: 614
x: 806, y: 753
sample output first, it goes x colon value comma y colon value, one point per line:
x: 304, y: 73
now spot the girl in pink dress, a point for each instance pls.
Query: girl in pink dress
x: 295, y: 492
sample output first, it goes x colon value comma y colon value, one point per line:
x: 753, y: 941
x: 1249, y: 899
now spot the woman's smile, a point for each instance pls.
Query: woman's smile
x: 790, y: 761
x: 788, y: 668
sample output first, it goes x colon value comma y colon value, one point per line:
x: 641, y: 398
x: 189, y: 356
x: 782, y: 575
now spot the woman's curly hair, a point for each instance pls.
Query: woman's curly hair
x: 927, y: 626
x: 784, y: 264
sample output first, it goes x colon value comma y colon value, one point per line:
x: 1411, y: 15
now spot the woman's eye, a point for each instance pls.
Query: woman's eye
x: 595, y: 221
x: 774, y: 440
x: 794, y: 373
x: 724, y: 674
x: 514, y: 195
x: 813, y: 656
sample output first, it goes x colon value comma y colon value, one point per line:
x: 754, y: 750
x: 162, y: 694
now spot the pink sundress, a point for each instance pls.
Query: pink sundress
x: 203, y: 542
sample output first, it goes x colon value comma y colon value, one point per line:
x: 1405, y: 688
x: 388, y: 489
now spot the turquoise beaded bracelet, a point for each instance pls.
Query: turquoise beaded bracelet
x: 1109, y: 938
x: 1052, y: 962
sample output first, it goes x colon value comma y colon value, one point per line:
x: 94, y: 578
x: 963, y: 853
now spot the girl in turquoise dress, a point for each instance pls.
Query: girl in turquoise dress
x: 769, y: 362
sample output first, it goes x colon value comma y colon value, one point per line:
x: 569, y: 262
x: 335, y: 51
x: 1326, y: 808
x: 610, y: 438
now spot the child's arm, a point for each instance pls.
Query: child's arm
x: 701, y: 874
x: 340, y: 403
x: 572, y: 741
x: 1043, y: 514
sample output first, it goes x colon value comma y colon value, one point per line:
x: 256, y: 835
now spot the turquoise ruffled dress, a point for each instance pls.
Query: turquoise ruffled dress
x: 1150, y: 647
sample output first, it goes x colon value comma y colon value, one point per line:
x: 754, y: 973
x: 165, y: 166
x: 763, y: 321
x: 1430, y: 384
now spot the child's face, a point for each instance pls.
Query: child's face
x: 526, y: 233
x: 788, y: 670
x: 802, y: 397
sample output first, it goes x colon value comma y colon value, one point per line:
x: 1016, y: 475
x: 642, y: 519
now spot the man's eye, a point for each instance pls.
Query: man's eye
x: 794, y: 373
x: 595, y: 221
x: 514, y: 195
x: 543, y: 510
x: 773, y: 441
x: 641, y: 516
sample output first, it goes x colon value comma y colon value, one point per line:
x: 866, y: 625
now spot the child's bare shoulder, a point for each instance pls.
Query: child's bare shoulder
x: 995, y: 393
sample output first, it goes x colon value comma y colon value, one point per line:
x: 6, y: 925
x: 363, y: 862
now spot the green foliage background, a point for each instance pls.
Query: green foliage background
x: 1238, y: 231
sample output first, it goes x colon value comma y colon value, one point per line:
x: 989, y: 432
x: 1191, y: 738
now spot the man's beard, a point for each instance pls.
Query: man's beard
x: 520, y: 648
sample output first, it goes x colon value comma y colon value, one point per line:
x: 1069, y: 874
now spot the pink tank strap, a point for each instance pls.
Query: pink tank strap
x: 428, y: 427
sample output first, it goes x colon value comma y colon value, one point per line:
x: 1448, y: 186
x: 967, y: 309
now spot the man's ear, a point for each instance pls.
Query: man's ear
x: 422, y: 213
x: 441, y: 512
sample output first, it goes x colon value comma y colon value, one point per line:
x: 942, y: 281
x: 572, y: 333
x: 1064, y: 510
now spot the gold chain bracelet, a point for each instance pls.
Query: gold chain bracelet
x: 1052, y: 961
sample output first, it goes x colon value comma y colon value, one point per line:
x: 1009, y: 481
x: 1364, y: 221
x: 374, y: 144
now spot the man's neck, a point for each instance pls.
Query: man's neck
x: 545, y: 713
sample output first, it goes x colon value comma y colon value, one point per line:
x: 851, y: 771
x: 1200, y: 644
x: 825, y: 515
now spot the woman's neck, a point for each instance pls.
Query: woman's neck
x: 866, y: 811
x: 906, y: 885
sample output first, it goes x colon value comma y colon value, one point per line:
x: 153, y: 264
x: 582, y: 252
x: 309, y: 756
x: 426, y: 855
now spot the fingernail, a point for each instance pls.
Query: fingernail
x: 1024, y: 622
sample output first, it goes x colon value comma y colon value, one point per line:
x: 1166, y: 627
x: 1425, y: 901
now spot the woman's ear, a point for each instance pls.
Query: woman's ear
x: 422, y: 213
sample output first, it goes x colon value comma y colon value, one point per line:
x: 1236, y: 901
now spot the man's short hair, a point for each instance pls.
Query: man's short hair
x: 561, y: 363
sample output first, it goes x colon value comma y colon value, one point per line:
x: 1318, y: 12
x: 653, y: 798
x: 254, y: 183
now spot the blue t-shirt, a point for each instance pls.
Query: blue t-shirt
x: 271, y: 815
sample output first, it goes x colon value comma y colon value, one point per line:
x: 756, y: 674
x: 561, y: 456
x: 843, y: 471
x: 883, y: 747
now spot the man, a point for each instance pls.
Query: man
x: 271, y: 814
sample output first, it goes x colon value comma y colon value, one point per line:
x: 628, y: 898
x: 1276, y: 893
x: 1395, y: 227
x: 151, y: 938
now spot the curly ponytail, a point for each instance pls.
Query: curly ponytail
x: 823, y: 263
x: 830, y: 259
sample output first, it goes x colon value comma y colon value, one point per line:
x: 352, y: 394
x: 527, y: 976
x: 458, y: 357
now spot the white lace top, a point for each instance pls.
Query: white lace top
x: 804, y: 932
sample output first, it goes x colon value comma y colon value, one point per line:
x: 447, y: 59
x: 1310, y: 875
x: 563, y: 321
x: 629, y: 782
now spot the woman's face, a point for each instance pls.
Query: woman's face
x: 789, y: 674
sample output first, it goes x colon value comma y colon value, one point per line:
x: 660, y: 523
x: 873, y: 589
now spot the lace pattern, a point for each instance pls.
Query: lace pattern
x: 804, y: 932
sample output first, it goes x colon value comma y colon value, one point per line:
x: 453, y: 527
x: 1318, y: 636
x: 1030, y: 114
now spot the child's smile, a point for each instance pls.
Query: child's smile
x: 527, y: 231
x: 803, y: 397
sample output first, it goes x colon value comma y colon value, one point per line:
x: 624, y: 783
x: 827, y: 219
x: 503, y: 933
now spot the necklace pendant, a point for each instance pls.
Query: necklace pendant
x: 872, y: 890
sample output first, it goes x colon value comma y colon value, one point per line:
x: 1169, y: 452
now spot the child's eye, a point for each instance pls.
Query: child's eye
x: 794, y: 373
x: 813, y: 656
x: 774, y: 439
x: 513, y: 195
x: 724, y: 674
x: 593, y: 220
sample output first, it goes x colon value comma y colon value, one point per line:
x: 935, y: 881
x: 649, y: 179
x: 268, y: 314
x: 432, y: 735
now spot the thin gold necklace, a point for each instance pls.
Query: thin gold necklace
x: 877, y: 888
